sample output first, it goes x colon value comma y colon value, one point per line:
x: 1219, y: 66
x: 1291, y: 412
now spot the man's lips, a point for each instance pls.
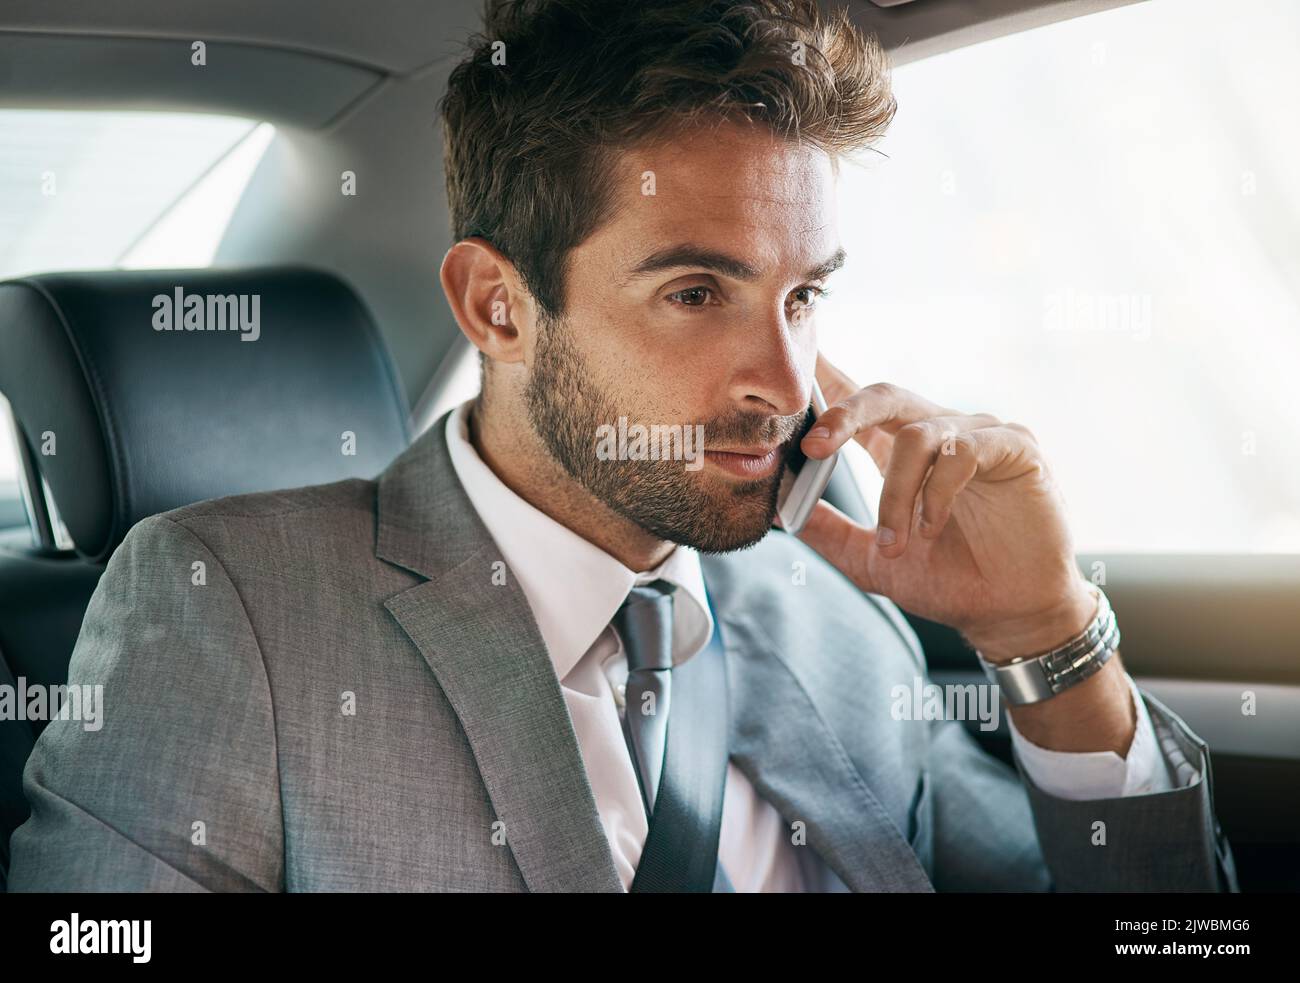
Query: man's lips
x: 746, y: 462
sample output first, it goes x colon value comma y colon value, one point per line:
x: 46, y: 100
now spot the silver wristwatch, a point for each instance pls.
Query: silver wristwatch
x: 1032, y: 678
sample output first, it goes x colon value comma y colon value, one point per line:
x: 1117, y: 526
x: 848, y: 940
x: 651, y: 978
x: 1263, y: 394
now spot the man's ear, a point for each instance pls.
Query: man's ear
x: 487, y: 298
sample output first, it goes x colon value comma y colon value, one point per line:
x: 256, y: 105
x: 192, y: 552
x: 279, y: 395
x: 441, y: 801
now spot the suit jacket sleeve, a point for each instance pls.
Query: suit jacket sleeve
x: 1163, y: 841
x: 993, y: 829
x: 178, y: 790
x: 996, y: 831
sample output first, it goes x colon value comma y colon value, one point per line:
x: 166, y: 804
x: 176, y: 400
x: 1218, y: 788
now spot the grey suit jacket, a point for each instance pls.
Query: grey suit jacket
x: 351, y: 701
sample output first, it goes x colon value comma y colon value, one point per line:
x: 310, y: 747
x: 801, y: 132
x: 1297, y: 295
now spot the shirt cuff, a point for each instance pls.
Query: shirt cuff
x: 1098, y: 774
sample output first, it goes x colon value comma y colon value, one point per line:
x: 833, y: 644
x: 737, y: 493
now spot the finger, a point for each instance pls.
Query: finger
x: 1023, y: 430
x: 881, y: 444
x: 844, y: 543
x: 954, y: 467
x: 837, y: 387
x: 916, y: 448
x: 990, y: 453
x: 883, y: 406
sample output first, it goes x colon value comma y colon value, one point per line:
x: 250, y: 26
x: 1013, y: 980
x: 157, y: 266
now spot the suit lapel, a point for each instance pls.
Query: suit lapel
x: 483, y: 646
x: 481, y: 642
x: 797, y: 763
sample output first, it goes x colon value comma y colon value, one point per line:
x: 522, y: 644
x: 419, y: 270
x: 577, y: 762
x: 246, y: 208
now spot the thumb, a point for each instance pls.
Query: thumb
x: 844, y: 543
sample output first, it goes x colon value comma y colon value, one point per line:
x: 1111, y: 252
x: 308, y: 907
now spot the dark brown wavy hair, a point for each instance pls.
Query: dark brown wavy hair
x: 529, y: 144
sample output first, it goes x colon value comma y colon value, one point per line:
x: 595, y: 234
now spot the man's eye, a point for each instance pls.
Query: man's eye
x: 807, y: 297
x: 691, y: 296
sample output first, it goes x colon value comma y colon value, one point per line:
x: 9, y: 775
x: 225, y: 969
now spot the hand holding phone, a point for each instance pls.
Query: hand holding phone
x: 803, y: 482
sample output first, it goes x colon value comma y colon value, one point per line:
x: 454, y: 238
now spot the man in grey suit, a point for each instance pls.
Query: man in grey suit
x: 517, y: 662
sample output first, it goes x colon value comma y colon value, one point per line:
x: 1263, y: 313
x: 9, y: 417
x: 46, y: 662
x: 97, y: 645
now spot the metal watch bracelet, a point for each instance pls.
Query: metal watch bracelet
x: 1033, y: 678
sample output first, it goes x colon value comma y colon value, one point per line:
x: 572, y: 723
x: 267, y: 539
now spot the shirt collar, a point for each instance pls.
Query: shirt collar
x: 573, y: 587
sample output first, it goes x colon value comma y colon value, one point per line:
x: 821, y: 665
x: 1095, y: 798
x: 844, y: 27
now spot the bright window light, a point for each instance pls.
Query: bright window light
x: 188, y: 234
x: 1090, y: 229
x: 97, y: 190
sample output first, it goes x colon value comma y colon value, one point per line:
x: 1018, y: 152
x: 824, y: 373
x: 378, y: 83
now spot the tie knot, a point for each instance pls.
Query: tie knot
x: 645, y: 623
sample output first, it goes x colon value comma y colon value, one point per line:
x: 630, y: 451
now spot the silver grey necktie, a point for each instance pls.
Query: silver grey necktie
x: 645, y: 624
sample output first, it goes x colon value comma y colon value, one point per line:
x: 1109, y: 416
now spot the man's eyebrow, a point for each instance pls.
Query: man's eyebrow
x: 697, y: 257
x: 828, y: 267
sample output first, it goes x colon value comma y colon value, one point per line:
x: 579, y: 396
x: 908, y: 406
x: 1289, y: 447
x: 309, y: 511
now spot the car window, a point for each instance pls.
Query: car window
x: 96, y: 189
x: 1092, y: 228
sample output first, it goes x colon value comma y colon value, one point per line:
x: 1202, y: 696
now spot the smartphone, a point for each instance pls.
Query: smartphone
x: 805, y: 478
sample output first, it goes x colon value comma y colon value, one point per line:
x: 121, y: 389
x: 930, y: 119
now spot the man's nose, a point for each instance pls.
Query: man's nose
x: 777, y: 373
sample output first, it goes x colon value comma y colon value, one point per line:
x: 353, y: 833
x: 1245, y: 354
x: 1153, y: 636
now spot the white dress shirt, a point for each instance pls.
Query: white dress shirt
x: 575, y: 588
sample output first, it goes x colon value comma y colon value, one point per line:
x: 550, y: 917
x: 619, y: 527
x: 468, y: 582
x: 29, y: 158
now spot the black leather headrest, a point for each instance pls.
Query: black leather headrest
x: 247, y: 384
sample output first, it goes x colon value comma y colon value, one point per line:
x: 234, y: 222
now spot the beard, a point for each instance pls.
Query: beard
x: 566, y: 408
